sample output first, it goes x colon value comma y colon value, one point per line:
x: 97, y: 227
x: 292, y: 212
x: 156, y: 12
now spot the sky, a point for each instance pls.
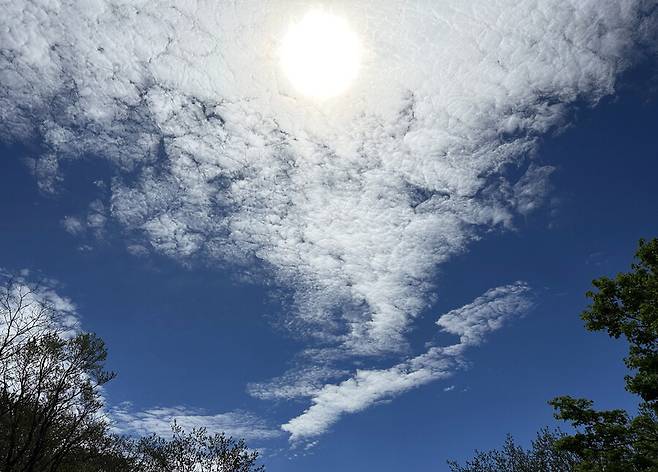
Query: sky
x: 379, y: 280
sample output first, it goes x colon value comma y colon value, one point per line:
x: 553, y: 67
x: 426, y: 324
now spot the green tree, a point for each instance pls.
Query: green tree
x: 625, y: 306
x: 543, y: 456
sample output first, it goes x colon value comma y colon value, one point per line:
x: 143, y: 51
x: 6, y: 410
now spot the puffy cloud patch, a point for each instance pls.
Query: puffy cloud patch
x: 73, y: 225
x: 486, y: 313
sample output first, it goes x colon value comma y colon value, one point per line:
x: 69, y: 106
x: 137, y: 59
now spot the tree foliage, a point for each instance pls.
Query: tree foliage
x: 193, y: 451
x: 543, y: 456
x: 625, y: 306
x: 49, y: 386
x: 51, y: 408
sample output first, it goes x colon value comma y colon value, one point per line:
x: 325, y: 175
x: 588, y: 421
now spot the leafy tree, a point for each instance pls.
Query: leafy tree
x: 625, y: 306
x: 51, y: 410
x: 49, y: 386
x: 543, y: 456
x: 196, y: 451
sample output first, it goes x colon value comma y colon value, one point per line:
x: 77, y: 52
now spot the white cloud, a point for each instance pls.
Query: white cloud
x: 471, y: 323
x: 353, y: 202
x: 137, y: 250
x: 94, y: 221
x: 96, y: 218
x: 239, y: 424
x: 531, y: 187
x: 300, y: 382
x: 486, y: 313
x: 28, y: 307
x: 27, y: 311
x: 73, y: 225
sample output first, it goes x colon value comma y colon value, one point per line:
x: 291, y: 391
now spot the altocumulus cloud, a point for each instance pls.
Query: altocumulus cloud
x: 352, y: 202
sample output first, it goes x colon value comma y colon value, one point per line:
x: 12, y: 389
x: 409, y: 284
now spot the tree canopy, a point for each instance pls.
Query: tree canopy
x: 543, y: 455
x: 52, y: 417
x: 625, y: 306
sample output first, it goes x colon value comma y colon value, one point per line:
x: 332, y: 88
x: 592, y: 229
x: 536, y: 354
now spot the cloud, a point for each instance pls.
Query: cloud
x: 94, y: 221
x: 531, y: 189
x: 73, y: 225
x: 28, y: 308
x: 353, y: 202
x: 239, y: 424
x: 486, y: 313
x: 300, y: 382
x: 471, y: 323
x: 27, y: 311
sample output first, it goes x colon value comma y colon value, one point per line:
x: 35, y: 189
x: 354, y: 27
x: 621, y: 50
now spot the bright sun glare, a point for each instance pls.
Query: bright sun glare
x: 320, y: 55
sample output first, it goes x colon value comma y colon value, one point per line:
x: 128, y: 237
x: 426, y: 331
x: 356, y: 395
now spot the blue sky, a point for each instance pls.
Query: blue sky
x: 196, y: 330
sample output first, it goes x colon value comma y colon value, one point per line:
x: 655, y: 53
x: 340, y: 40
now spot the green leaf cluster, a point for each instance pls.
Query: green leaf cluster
x: 625, y: 306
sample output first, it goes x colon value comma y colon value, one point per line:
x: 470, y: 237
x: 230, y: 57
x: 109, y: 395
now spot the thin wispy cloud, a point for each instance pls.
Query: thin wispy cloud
x: 126, y: 419
x: 486, y: 313
x: 353, y: 203
x: 303, y: 381
x: 471, y: 323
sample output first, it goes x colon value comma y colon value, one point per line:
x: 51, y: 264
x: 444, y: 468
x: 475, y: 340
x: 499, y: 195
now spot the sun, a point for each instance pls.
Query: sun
x: 320, y: 55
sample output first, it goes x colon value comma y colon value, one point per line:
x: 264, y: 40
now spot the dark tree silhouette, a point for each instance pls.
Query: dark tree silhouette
x: 194, y: 451
x: 543, y: 456
x: 49, y: 386
x: 51, y: 410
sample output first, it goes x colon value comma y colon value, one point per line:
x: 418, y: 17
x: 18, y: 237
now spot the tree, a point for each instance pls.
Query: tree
x: 542, y: 456
x: 49, y: 385
x: 626, y: 306
x: 196, y: 451
x: 51, y: 409
x: 22, y: 316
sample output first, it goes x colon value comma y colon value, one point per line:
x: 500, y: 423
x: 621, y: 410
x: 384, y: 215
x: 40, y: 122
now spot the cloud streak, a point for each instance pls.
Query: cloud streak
x: 367, y: 387
x: 125, y: 419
